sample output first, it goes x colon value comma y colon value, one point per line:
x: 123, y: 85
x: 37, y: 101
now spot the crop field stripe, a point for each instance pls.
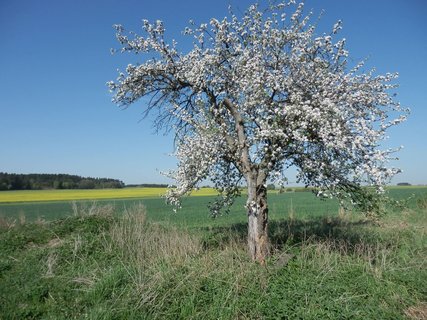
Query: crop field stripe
x: 69, y: 195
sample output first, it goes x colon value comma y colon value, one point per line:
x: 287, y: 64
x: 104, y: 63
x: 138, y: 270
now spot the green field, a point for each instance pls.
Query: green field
x: 195, y: 210
x: 132, y: 258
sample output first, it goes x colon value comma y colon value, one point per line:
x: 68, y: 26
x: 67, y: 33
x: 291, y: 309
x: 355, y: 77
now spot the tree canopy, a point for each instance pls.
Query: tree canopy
x: 259, y: 93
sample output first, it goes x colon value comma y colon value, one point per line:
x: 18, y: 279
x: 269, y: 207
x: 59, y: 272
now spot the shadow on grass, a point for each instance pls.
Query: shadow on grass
x: 295, y: 232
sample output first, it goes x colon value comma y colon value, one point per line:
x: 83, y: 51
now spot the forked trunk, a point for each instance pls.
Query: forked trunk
x: 257, y: 221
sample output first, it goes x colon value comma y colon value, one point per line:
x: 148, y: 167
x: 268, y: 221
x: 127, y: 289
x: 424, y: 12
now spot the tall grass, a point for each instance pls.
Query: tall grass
x: 168, y: 264
x: 329, y: 261
x: 146, y: 243
x: 85, y: 209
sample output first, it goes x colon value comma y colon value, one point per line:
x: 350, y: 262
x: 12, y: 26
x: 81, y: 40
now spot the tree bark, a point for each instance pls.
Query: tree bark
x: 257, y: 207
x: 257, y: 192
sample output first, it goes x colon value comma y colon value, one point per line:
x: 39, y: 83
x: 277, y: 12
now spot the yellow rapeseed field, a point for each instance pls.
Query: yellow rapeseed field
x: 66, y: 195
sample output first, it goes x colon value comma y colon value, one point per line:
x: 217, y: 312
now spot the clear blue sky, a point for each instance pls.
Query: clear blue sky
x: 56, y: 114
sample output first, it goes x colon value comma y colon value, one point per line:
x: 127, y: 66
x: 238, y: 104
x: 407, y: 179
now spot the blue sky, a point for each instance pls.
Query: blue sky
x: 56, y: 114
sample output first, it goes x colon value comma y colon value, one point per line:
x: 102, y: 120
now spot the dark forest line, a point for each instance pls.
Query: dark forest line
x: 37, y: 181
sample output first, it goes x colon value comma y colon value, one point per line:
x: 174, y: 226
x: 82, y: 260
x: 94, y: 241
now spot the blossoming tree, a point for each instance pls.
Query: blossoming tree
x: 257, y: 94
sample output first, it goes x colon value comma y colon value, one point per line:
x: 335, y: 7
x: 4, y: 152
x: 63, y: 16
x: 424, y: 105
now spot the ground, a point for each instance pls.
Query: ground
x: 133, y: 259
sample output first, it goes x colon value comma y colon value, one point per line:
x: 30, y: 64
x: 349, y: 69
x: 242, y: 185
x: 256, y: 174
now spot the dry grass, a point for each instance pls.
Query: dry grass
x: 149, y: 243
x: 54, y: 243
x: 6, y: 223
x: 92, y: 209
x: 165, y: 261
x: 330, y: 253
x: 151, y: 252
x: 417, y: 312
x: 51, y: 264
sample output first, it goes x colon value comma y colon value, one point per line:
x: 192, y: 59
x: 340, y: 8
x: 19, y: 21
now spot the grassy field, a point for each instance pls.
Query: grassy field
x: 133, y: 259
x: 194, y: 212
x: 195, y: 208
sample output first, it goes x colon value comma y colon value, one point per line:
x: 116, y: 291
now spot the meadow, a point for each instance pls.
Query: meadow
x: 132, y: 258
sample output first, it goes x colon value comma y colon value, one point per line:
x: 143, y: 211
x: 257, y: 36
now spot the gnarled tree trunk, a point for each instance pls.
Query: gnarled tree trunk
x: 257, y: 219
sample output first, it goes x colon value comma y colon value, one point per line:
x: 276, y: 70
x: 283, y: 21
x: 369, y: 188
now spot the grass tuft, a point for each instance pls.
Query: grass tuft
x: 146, y: 243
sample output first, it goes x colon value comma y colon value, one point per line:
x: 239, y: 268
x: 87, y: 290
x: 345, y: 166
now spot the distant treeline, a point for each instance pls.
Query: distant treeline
x: 147, y: 185
x: 13, y: 181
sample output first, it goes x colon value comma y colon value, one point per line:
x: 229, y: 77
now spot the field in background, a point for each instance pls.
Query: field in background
x: 194, y: 211
x: 23, y: 196
x: 93, y: 194
x: 134, y: 259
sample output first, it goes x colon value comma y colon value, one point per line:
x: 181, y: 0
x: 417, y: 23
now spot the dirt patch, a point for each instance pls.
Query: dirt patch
x: 418, y: 312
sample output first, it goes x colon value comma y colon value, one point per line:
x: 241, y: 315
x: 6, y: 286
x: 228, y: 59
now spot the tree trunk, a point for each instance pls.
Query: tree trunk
x: 257, y: 220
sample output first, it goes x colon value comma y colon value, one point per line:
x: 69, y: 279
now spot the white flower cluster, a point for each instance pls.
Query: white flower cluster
x: 258, y: 94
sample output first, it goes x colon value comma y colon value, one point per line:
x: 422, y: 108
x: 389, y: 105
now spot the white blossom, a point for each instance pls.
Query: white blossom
x: 257, y: 95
